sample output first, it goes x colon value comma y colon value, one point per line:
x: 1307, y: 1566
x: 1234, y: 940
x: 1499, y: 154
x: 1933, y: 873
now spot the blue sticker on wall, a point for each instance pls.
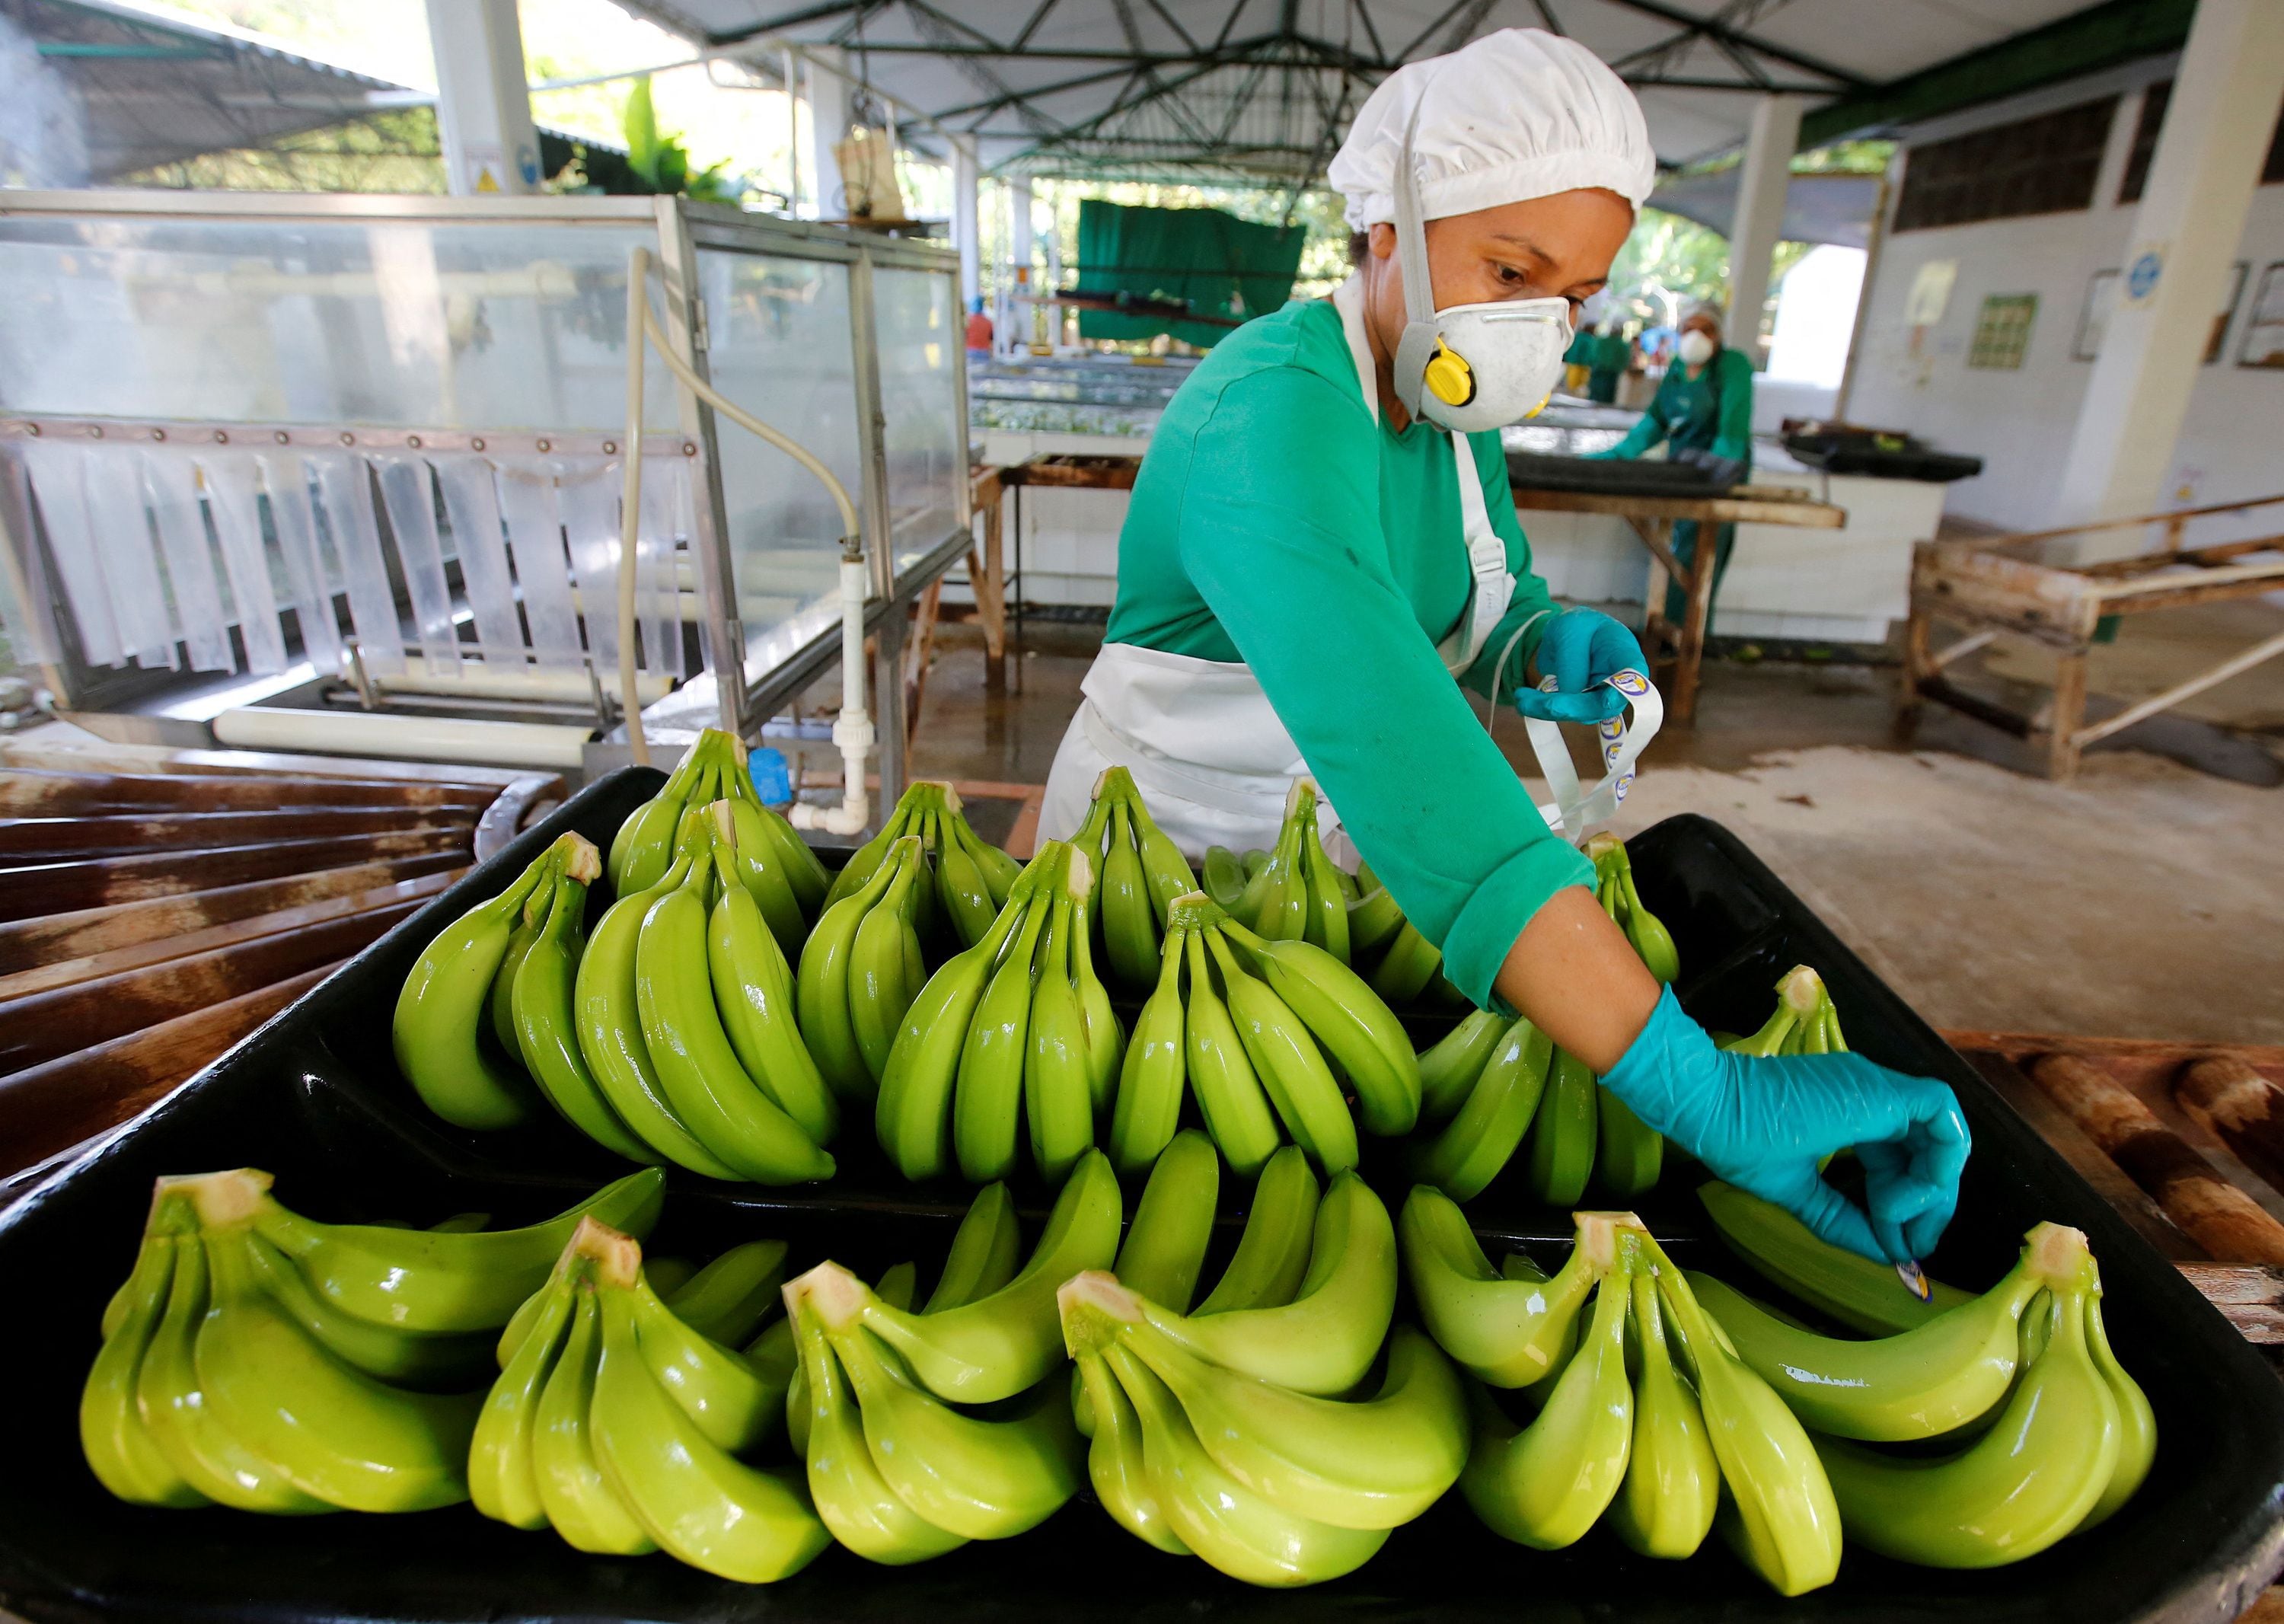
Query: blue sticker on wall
x: 2141, y: 275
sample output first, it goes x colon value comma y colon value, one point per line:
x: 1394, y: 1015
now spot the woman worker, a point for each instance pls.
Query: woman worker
x: 1705, y: 403
x: 1321, y: 550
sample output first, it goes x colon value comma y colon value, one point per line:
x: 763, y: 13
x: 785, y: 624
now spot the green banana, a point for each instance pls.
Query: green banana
x: 1920, y: 1383
x: 822, y: 983
x: 1229, y: 1095
x: 1672, y: 1488
x: 1272, y: 1254
x: 1163, y: 866
x: 120, y: 1448
x: 643, y: 848
x: 1291, y: 1068
x: 865, y: 861
x: 1480, y: 1141
x: 962, y: 891
x: 985, y: 1253
x: 1105, y: 1039
x: 997, y: 1345
x: 912, y: 1117
x: 1114, y: 1458
x: 696, y: 1500
x: 1154, y: 1077
x: 1628, y: 1154
x: 761, y: 871
x: 547, y: 1031
x: 1506, y: 1332
x: 1165, y: 1246
x: 1357, y: 1031
x: 434, y: 1362
x: 1374, y: 919
x: 1779, y: 1515
x: 2137, y: 1437
x: 1563, y: 1134
x: 178, y: 1419
x: 667, y: 1275
x: 1325, y: 1339
x: 753, y: 992
x: 607, y: 1007
x: 1233, y: 1529
x: 1544, y: 1484
x: 851, y: 1498
x: 1129, y: 932
x: 530, y: 919
x: 582, y: 1505
x: 502, y: 1479
x: 1327, y: 922
x: 2026, y: 1483
x: 804, y: 874
x: 1222, y: 878
x: 999, y: 869
x: 885, y: 968
x: 1058, y: 1095
x: 1282, y: 911
x: 776, y: 1353
x: 1408, y: 966
x: 445, y: 997
x: 733, y: 1405
x: 330, y: 1429
x: 1369, y: 1463
x: 1652, y: 942
x: 1449, y: 1070
x: 698, y: 1070
x: 1861, y: 1294
x: 993, y: 1047
x: 421, y: 1280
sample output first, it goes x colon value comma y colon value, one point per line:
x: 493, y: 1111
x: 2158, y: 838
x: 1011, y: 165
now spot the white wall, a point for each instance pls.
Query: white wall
x: 2020, y: 422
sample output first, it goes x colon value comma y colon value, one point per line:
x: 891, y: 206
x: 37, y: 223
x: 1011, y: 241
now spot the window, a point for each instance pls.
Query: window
x: 2042, y: 166
x: 2145, y: 145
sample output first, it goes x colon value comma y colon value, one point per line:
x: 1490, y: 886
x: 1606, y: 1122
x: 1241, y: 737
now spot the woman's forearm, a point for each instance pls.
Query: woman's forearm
x: 1573, y: 972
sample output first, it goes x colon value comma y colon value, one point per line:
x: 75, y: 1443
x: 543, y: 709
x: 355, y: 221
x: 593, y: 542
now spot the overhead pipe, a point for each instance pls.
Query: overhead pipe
x: 853, y: 732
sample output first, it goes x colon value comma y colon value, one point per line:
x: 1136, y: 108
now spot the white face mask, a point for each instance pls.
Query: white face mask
x: 1471, y: 367
x: 1696, y: 347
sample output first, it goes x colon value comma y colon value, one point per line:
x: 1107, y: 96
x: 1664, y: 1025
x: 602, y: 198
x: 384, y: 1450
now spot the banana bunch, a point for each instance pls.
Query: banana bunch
x: 925, y: 1430
x: 258, y: 1360
x: 683, y: 1043
x: 1137, y: 873
x: 1269, y: 1034
x: 1229, y: 1433
x: 624, y: 1420
x: 862, y: 969
x: 453, y: 1032
x: 1804, y: 1022
x: 776, y: 866
x: 2072, y: 1442
x: 1644, y: 1411
x: 1294, y: 892
x: 966, y: 880
x: 1015, y: 1031
x: 1613, y: 888
x: 1490, y: 1083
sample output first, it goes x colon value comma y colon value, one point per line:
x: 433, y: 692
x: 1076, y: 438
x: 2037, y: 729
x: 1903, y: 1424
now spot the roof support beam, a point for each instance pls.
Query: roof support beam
x: 1710, y: 29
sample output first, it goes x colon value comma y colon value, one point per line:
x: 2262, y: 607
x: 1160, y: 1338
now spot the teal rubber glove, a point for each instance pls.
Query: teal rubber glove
x: 1764, y: 1123
x: 1581, y: 649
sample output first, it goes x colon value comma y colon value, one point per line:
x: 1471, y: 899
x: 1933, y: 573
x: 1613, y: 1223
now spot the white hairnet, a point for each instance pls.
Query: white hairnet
x: 1699, y: 309
x: 1517, y: 114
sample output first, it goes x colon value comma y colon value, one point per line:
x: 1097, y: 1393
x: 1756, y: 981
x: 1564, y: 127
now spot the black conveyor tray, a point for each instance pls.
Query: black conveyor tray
x: 313, y: 1098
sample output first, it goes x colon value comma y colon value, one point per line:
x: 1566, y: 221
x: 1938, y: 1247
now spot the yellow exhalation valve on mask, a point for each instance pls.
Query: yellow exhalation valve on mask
x: 1452, y: 378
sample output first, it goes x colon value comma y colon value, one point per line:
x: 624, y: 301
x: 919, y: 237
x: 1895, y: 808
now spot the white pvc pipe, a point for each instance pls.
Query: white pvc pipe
x: 558, y: 747
x: 513, y: 683
x: 853, y: 732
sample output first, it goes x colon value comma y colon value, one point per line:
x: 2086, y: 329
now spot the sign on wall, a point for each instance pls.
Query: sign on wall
x: 2002, y: 331
x: 2263, y: 330
x: 2093, y: 315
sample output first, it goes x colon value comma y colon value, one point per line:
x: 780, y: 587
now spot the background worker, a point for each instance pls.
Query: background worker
x: 1321, y: 550
x: 1608, y: 356
x: 1704, y: 403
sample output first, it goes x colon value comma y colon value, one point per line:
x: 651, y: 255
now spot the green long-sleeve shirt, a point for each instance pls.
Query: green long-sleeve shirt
x: 1710, y: 412
x: 1275, y: 522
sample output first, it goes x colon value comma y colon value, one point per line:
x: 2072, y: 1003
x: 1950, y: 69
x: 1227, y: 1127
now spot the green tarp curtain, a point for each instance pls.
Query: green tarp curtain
x: 1222, y: 266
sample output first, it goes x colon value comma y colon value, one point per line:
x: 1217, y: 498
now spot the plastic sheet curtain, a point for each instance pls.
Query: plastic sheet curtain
x: 158, y: 552
x: 1222, y: 266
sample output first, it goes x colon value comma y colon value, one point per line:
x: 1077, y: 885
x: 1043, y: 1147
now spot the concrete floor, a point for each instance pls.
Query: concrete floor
x: 2145, y: 900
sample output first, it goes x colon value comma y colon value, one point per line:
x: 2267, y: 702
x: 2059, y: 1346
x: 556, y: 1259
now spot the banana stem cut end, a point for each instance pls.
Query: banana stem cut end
x: 2057, y: 1252
x: 220, y: 1199
x: 617, y: 1256
x: 1092, y: 1305
x: 837, y: 1297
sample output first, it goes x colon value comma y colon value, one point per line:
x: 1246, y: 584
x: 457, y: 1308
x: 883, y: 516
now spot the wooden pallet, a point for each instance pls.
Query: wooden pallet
x: 156, y: 906
x: 2163, y: 1163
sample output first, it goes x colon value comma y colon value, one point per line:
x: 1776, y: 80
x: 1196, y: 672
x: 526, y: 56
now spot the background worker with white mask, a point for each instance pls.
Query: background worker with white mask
x: 1322, y: 548
x: 1704, y: 403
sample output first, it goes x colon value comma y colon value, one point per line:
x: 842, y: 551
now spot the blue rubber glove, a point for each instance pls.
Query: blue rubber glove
x: 1763, y: 1124
x: 1580, y: 649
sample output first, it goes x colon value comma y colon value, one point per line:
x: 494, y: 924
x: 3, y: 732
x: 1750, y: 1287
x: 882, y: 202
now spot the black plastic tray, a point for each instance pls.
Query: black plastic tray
x: 313, y: 1098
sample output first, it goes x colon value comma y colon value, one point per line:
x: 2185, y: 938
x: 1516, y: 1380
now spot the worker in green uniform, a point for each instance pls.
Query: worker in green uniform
x: 1579, y: 362
x: 1606, y: 363
x: 1705, y: 403
x: 1321, y: 553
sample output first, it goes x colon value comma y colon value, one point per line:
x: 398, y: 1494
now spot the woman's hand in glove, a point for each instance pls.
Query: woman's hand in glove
x: 1764, y: 1123
x: 1581, y: 650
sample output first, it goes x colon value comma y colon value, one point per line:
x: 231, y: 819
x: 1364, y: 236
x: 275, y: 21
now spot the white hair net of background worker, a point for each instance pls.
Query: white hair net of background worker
x: 1321, y: 553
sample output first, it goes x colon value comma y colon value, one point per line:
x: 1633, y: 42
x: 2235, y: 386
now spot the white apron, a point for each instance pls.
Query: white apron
x: 1205, y: 747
